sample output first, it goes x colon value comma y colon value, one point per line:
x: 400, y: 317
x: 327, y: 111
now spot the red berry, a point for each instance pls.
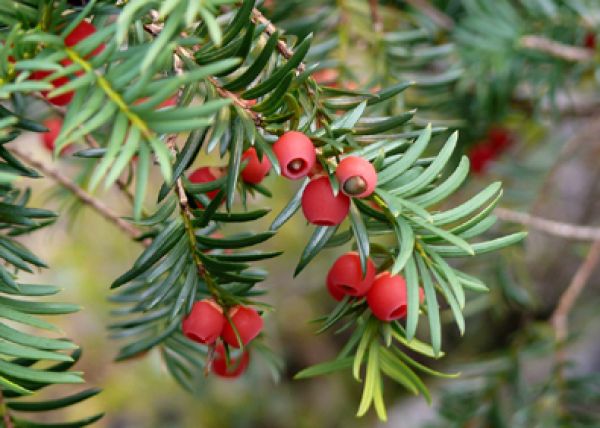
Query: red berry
x: 81, y: 31
x: 295, y: 153
x: 387, y: 297
x: 54, y: 125
x: 237, y: 365
x: 480, y: 156
x: 255, y: 170
x: 326, y: 76
x: 59, y: 100
x: 206, y: 174
x: 346, y: 276
x: 335, y: 292
x: 499, y: 139
x: 357, y: 176
x: 590, y: 40
x: 204, y: 323
x: 169, y: 102
x: 247, y: 322
x: 320, y: 206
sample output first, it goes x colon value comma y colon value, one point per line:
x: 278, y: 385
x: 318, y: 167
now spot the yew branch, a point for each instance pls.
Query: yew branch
x: 560, y: 317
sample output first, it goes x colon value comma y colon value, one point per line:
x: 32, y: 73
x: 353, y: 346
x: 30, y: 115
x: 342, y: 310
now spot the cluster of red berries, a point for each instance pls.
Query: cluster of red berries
x: 497, y: 141
x: 55, y: 124
x: 83, y: 30
x: 254, y: 172
x: 206, y: 323
x: 297, y: 157
x: 385, y: 293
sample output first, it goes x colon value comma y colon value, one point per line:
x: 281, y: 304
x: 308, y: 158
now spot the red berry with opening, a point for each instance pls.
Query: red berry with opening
x: 346, y: 276
x: 296, y: 154
x: 236, y: 367
x: 204, y: 324
x: 357, y: 177
x: 387, y: 298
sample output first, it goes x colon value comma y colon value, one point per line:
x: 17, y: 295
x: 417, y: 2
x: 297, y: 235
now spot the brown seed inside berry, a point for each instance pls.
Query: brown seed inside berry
x: 296, y: 165
x: 355, y: 185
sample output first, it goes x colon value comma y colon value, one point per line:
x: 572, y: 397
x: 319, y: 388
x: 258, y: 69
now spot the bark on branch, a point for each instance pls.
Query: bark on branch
x: 551, y: 227
x: 556, y: 49
x: 81, y: 194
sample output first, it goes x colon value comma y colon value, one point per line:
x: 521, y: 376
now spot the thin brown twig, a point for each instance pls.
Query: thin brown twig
x: 556, y: 49
x: 90, y: 141
x: 437, y: 16
x: 155, y: 29
x: 122, y: 185
x: 8, y: 423
x: 184, y: 207
x: 551, y: 227
x: 375, y: 16
x: 245, y: 105
x: 81, y: 194
x: 560, y: 317
x: 270, y: 29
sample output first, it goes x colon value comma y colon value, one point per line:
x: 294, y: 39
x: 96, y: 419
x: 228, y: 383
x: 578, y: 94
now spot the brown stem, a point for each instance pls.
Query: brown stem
x: 155, y: 29
x: 237, y: 101
x: 8, y: 423
x: 560, y: 317
x: 122, y: 185
x: 375, y: 16
x: 81, y: 194
x: 90, y: 140
x: 187, y: 216
x: 437, y: 16
x: 557, y: 49
x: 551, y: 227
x: 282, y: 47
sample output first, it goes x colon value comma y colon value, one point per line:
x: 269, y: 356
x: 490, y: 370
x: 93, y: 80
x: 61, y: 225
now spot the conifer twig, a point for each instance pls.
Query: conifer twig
x: 560, y: 317
x: 556, y: 49
x: 81, y: 194
x: 551, y: 227
x: 270, y: 29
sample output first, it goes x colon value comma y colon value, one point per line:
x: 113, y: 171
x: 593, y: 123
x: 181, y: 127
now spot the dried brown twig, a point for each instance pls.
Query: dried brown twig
x: 557, y: 49
x: 81, y: 194
x: 551, y: 227
x: 433, y: 13
x: 566, y: 303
